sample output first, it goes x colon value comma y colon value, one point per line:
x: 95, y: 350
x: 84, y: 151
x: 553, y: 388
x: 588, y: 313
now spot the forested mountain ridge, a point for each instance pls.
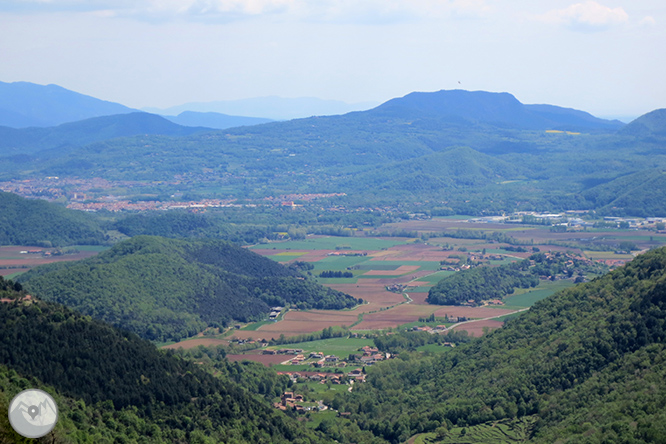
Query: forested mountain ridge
x: 499, y: 109
x: 84, y: 132
x: 40, y: 223
x: 650, y: 125
x: 112, y: 386
x: 169, y: 289
x: 473, y: 152
x: 478, y: 284
x: 585, y: 360
x: 640, y: 194
x: 25, y: 104
x: 214, y: 120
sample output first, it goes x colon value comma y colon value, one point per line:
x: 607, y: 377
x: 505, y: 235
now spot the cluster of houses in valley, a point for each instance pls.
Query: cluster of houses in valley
x: 356, y: 375
x: 571, y: 218
x: 367, y: 356
x: 290, y: 401
x: 396, y: 288
x: 294, y: 401
x: 433, y: 330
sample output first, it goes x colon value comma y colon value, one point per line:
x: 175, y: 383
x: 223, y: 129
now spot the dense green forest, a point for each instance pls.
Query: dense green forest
x: 169, y: 289
x: 37, y: 222
x: 181, y: 224
x: 586, y: 361
x: 478, y: 284
x: 267, y: 223
x: 112, y: 387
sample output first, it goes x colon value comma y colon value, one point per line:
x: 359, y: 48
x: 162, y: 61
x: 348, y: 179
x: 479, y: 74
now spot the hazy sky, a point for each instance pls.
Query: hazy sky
x: 604, y: 57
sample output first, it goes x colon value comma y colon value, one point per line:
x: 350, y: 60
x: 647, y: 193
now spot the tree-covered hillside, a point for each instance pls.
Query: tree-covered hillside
x: 649, y: 126
x: 112, y: 386
x: 499, y: 109
x: 32, y: 140
x: 168, y: 289
x: 640, y: 194
x: 479, y: 284
x: 585, y: 365
x: 37, y: 222
x: 182, y: 224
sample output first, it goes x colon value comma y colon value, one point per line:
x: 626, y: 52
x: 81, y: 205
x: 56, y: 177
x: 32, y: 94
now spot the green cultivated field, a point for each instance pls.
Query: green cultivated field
x: 255, y: 325
x: 316, y: 418
x: 420, y: 289
x: 376, y: 266
x: 331, y: 243
x: 340, y: 347
x: 13, y: 275
x: 286, y: 256
x: 527, y: 298
x: 425, y: 265
x: 435, y: 277
x: 339, y: 262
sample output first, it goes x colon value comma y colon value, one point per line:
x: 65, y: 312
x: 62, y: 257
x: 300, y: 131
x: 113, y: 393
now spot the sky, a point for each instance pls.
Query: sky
x: 605, y: 57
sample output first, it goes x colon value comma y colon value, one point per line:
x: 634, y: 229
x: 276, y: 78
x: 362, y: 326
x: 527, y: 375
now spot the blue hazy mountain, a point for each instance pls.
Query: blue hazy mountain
x: 214, y: 120
x: 652, y: 124
x: 84, y: 132
x: 272, y: 107
x: 496, y: 109
x: 24, y: 104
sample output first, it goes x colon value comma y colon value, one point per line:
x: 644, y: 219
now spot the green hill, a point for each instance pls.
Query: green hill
x: 585, y: 365
x: 183, y: 224
x: 84, y: 132
x: 481, y: 283
x: 498, y: 109
x: 168, y: 289
x: 37, y: 222
x: 113, y: 387
x: 638, y: 194
x: 650, y: 125
x: 456, y: 168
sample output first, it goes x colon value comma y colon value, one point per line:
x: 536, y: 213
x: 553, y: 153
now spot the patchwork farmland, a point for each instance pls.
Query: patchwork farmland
x: 393, y: 274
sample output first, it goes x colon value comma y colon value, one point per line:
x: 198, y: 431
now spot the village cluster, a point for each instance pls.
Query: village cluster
x: 367, y: 356
x: 297, y: 402
x: 569, y: 218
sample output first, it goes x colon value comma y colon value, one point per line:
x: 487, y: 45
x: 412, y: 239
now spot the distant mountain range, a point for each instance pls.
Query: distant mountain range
x: 498, y: 109
x: 84, y: 132
x: 24, y: 104
x: 214, y: 120
x: 272, y: 107
x: 458, y: 147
